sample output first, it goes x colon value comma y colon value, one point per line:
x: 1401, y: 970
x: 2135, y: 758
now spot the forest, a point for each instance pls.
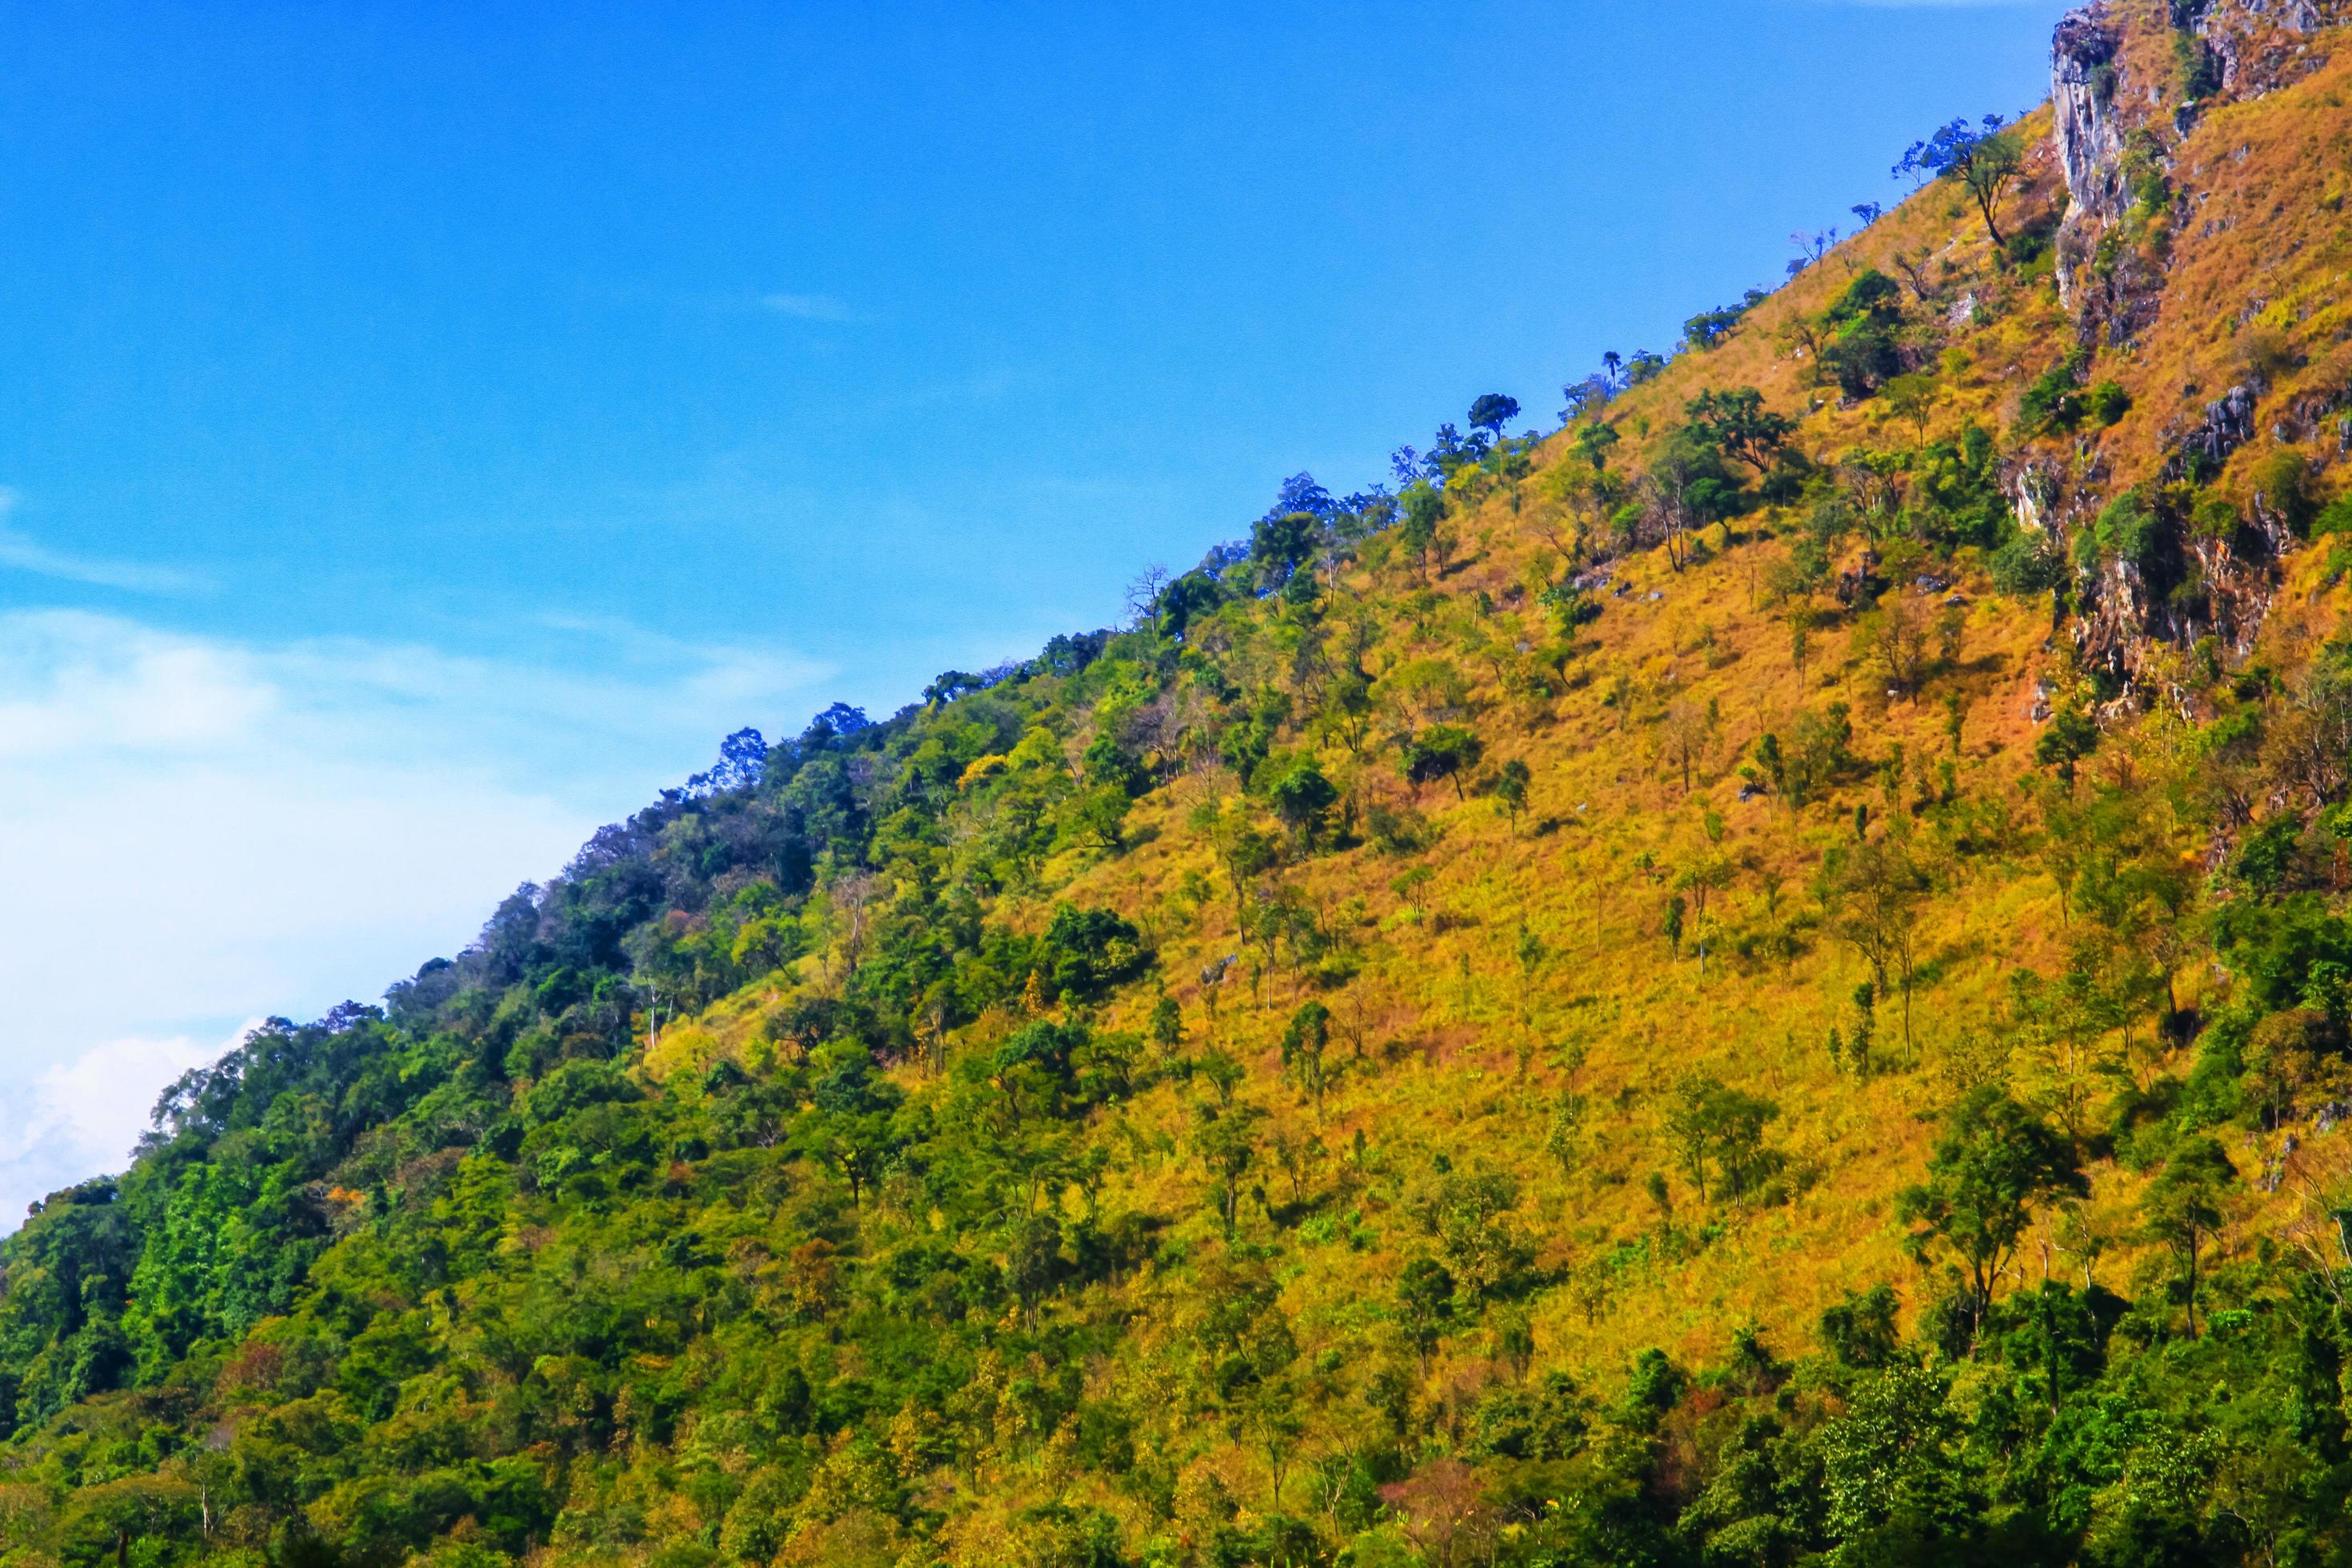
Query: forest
x: 1754, y: 971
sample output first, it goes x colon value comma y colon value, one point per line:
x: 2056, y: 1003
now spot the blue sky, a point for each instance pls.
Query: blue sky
x: 428, y: 429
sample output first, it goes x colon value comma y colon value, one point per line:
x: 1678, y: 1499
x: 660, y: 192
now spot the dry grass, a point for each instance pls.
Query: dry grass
x: 1438, y: 991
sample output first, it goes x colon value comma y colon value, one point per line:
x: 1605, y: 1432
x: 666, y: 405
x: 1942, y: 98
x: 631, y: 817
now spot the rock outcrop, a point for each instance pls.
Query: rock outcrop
x: 2090, y: 140
x: 2110, y: 100
x: 2259, y: 46
x: 2228, y: 425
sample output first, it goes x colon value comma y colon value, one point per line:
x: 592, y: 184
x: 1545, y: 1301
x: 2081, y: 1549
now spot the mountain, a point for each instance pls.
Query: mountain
x: 1763, y: 977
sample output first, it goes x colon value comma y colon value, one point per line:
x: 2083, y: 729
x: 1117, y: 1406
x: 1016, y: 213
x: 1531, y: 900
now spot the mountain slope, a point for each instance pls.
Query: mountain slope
x: 1757, y: 977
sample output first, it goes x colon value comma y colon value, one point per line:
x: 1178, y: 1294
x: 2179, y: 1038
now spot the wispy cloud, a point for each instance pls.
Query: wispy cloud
x: 196, y: 828
x: 20, y: 552
x: 82, y: 1117
x: 807, y: 307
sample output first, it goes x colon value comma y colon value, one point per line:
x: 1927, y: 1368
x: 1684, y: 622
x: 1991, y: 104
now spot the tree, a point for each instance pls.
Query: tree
x: 1707, y: 331
x: 1812, y: 245
x: 1142, y: 601
x: 1470, y: 1214
x: 1443, y: 751
x: 109, y: 1519
x: 1592, y: 444
x: 1913, y: 398
x: 1511, y: 788
x: 1863, y: 351
x: 851, y: 1125
x: 1303, y: 797
x: 2184, y: 1208
x: 1227, y: 1141
x: 2072, y: 735
x: 1585, y: 396
x: 1491, y: 411
x: 1304, y: 1043
x: 1223, y: 1071
x: 1564, y: 1134
x: 1994, y: 1165
x: 1718, y: 1129
x: 1188, y: 598
x: 1167, y: 1027
x: 1700, y: 881
x: 1421, y: 508
x: 1280, y: 545
x: 1738, y: 425
x: 1984, y: 158
x: 1531, y: 956
x: 1686, y: 488
x: 1684, y: 739
x: 1097, y: 817
x: 1860, y: 1329
x: 1874, y: 897
x: 1241, y: 847
x: 1300, y: 493
x: 742, y: 763
x: 1033, y: 1266
x: 1899, y: 640
x: 1424, y: 1304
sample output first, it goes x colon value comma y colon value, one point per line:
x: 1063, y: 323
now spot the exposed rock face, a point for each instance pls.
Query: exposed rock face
x: 2258, y: 43
x: 2035, y: 490
x: 2129, y: 614
x: 2258, y: 46
x: 2090, y: 139
x: 2090, y: 136
x: 2228, y: 425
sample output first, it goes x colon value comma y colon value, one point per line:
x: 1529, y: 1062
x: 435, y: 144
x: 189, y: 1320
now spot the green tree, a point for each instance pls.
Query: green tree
x: 107, y: 1520
x: 1032, y: 1264
x: 851, y: 1125
x: 1218, y: 1066
x: 1421, y: 509
x: 1874, y: 895
x: 1424, y: 1304
x: 1303, y: 798
x: 1985, y: 159
x: 1306, y: 1042
x: 2184, y: 1208
x: 1243, y: 849
x: 1564, y: 1134
x: 1227, y: 1142
x: 1736, y: 424
x: 1442, y: 752
x: 1593, y: 441
x: 1511, y: 788
x: 1859, y: 1330
x: 1719, y: 1130
x: 1167, y: 1027
x: 1994, y: 1165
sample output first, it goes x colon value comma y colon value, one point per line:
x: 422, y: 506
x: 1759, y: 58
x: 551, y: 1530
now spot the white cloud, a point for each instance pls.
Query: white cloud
x: 807, y: 307
x: 22, y: 553
x: 196, y: 828
x: 82, y: 1117
x: 73, y: 685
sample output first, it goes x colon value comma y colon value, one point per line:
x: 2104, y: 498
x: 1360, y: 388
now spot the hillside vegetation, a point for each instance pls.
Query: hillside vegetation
x: 1763, y: 977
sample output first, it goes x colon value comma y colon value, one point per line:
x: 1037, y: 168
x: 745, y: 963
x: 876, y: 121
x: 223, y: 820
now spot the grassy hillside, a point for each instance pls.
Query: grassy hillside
x: 1759, y: 977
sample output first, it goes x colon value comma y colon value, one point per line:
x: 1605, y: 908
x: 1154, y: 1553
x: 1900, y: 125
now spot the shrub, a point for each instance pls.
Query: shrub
x: 2027, y: 564
x: 2108, y: 402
